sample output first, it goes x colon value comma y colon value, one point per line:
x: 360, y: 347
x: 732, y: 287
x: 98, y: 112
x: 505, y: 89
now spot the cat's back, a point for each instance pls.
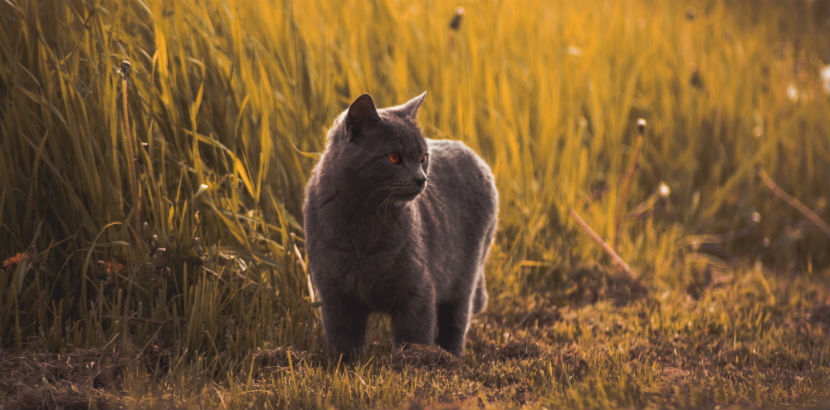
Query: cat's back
x: 461, y: 185
x: 458, y: 170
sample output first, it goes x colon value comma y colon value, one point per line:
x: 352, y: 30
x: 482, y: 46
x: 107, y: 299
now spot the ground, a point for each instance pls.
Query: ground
x: 744, y: 339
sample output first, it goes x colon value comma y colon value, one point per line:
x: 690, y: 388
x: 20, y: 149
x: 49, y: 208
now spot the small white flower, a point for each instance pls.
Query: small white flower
x: 664, y: 191
x: 758, y: 131
x: 574, y: 51
x: 792, y: 92
x: 825, y: 78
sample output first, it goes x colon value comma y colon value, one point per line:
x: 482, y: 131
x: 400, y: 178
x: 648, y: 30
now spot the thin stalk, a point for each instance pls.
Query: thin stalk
x: 129, y: 147
x: 641, y: 129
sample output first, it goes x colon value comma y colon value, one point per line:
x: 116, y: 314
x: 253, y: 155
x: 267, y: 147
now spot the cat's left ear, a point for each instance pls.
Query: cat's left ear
x: 409, y: 109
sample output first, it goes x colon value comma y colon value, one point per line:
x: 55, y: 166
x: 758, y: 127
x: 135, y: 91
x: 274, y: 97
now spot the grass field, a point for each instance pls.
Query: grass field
x: 152, y: 245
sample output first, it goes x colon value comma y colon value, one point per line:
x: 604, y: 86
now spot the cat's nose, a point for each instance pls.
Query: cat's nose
x: 421, y: 180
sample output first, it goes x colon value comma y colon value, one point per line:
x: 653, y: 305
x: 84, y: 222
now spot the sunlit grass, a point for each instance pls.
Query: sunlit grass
x: 194, y: 262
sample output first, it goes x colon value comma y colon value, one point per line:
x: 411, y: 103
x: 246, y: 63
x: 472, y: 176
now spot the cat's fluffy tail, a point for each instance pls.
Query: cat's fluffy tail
x: 480, y: 297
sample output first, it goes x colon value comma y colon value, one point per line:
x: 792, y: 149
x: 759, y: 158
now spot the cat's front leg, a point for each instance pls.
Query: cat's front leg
x: 453, y: 321
x: 414, y: 319
x: 344, y: 320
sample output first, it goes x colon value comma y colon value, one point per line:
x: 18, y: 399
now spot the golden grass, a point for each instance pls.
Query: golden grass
x: 184, y: 254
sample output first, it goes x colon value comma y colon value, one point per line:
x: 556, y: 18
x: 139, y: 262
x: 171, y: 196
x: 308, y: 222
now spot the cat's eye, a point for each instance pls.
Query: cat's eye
x: 394, y: 158
x: 423, y: 158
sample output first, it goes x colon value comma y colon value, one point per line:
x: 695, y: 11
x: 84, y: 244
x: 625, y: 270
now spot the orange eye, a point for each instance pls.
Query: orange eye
x: 423, y: 158
x: 394, y: 158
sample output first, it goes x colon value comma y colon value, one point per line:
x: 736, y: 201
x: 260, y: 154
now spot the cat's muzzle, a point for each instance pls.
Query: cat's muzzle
x: 410, y: 195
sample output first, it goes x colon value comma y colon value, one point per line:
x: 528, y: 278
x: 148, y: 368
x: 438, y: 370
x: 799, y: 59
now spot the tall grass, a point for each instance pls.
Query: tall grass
x: 228, y: 103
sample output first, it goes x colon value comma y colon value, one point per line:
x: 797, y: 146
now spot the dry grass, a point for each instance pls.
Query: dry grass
x: 153, y: 225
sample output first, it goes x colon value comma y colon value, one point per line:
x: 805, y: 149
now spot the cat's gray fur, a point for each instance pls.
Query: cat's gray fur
x: 406, y: 239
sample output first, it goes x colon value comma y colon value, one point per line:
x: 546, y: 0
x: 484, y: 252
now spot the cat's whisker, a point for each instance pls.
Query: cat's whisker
x: 368, y: 199
x: 384, y: 205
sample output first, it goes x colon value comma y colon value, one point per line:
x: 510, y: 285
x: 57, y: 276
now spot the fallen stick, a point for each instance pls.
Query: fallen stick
x: 791, y: 201
x: 617, y: 259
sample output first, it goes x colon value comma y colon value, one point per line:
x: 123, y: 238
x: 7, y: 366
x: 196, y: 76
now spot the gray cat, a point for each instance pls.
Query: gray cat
x: 399, y: 224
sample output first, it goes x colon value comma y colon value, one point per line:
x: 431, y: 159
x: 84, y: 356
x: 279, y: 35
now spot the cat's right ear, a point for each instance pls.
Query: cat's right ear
x: 361, y: 112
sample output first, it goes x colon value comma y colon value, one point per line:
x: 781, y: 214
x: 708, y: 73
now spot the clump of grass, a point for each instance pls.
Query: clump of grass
x: 53, y: 380
x: 160, y: 216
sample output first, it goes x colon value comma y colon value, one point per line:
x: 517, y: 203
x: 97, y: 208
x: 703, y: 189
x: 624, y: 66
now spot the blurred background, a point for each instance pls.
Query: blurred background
x: 153, y: 154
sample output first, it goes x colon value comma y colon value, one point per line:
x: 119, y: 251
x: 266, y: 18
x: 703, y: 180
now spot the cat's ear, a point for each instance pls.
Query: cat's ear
x: 362, y: 112
x: 409, y: 109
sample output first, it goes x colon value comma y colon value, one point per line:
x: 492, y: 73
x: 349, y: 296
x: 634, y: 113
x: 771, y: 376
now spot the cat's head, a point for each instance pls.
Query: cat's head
x: 381, y: 152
